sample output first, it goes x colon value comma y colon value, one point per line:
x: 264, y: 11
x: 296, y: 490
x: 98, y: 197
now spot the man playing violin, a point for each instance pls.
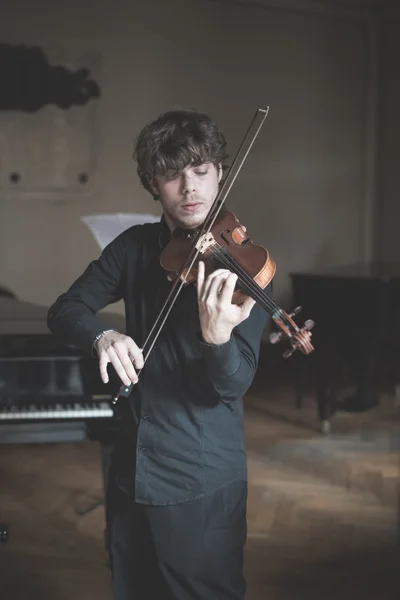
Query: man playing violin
x: 176, y: 498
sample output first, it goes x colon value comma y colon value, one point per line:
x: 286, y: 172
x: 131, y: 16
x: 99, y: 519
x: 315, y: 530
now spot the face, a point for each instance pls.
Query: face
x: 187, y: 197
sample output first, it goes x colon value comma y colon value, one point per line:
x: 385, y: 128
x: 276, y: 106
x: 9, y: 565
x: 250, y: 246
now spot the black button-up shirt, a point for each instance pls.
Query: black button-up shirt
x: 182, y: 426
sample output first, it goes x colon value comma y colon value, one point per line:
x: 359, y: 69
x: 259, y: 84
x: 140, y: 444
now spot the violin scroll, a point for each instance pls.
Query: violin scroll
x: 299, y: 336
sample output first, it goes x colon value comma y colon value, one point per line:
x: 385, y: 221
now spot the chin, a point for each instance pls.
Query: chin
x: 195, y: 224
x: 191, y: 223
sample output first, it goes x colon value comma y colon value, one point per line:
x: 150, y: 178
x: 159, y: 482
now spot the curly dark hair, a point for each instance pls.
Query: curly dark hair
x: 174, y: 140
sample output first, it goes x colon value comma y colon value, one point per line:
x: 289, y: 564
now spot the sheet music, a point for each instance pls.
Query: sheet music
x: 106, y: 227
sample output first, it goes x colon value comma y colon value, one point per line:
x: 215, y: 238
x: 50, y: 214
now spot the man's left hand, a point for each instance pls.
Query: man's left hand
x: 218, y: 316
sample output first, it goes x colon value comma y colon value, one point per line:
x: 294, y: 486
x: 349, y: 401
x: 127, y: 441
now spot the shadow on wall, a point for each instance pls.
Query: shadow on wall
x: 28, y: 82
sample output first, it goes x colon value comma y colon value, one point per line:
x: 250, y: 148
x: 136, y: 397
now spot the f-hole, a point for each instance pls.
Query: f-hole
x: 227, y: 232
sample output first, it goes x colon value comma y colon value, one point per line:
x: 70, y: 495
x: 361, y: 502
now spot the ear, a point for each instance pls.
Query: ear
x: 154, y: 188
x: 220, y: 172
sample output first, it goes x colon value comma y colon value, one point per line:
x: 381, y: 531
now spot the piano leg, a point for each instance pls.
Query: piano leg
x: 95, y: 500
x: 105, y: 450
x: 300, y: 370
x: 327, y: 389
x: 326, y: 410
x: 321, y: 370
x: 366, y: 376
x: 92, y: 501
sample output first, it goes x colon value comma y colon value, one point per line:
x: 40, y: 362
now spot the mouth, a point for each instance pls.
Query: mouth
x: 191, y: 206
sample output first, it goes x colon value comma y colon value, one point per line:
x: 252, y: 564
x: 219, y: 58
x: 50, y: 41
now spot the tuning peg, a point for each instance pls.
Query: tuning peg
x: 276, y: 337
x: 295, y: 311
x: 309, y: 324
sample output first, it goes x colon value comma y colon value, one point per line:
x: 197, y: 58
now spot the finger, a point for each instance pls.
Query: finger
x: 216, y: 278
x: 110, y: 356
x: 122, y: 363
x: 103, y: 362
x: 200, y: 278
x: 247, y: 307
x: 212, y: 287
x: 135, y: 354
x: 228, y: 289
x: 216, y: 286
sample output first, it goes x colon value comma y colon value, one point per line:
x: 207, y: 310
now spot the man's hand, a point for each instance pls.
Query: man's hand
x: 218, y: 316
x: 122, y: 352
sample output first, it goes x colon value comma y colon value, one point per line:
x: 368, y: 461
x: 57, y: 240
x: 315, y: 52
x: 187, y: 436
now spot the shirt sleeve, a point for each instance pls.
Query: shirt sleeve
x: 73, y: 316
x: 231, y: 366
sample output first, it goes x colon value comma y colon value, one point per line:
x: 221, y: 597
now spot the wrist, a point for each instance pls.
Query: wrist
x: 216, y: 339
x: 99, y: 336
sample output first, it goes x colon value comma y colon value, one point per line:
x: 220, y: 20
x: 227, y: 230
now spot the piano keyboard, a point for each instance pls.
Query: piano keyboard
x: 43, y: 410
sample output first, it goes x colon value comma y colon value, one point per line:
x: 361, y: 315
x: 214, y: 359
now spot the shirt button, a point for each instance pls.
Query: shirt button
x: 142, y: 449
x: 145, y: 417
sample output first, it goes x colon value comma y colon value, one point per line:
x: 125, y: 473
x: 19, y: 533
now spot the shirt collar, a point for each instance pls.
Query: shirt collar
x: 165, y: 236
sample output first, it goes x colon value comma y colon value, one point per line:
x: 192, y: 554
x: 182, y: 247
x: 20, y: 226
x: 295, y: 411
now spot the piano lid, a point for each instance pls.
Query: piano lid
x: 373, y: 270
x: 18, y: 317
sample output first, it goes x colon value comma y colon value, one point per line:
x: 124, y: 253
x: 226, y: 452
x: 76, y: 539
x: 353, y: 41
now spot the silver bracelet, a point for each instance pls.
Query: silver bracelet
x: 99, y: 336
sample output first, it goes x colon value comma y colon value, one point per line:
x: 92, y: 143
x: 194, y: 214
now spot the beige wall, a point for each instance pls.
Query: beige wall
x: 302, y: 191
x: 388, y: 197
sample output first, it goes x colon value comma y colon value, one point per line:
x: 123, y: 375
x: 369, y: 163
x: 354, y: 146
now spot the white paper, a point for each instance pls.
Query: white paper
x: 105, y: 228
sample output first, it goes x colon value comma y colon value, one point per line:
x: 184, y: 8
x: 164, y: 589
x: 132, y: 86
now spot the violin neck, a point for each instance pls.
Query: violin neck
x: 260, y: 296
x: 247, y: 284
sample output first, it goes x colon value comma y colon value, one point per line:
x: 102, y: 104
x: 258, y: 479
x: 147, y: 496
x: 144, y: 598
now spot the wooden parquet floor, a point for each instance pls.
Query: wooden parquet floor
x: 323, y: 511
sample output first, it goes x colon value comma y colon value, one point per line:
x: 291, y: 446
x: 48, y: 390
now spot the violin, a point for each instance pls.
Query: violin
x: 223, y: 242
x: 227, y: 245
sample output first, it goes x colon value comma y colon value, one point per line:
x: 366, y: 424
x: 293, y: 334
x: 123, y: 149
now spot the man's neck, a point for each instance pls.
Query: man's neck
x: 172, y: 226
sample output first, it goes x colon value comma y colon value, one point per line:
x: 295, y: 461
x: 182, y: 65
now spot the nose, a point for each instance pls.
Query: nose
x: 188, y: 184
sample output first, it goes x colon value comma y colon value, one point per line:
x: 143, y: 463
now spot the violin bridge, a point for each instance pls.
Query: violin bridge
x: 205, y: 242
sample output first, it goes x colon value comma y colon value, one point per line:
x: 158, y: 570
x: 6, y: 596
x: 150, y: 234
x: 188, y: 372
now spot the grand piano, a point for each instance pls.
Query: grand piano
x: 356, y: 309
x: 50, y: 391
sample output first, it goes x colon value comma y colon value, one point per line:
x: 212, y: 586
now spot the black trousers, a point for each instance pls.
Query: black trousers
x: 188, y: 551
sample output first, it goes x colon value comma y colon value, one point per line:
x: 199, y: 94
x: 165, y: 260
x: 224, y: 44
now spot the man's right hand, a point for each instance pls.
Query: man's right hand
x: 121, y: 351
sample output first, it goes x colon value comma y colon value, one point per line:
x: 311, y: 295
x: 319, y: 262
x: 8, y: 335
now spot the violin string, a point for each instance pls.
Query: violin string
x: 247, y: 281
x: 252, y: 288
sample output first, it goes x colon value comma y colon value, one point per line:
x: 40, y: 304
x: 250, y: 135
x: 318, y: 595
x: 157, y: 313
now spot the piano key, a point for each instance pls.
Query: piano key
x: 58, y: 411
